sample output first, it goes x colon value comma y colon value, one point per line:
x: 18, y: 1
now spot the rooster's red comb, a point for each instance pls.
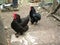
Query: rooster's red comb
x: 14, y: 15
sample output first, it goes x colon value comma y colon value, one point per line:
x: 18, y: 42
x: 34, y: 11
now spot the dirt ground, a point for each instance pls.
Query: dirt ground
x: 46, y: 32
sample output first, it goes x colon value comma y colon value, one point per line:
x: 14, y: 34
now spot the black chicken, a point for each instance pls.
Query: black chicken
x: 20, y: 25
x: 35, y: 17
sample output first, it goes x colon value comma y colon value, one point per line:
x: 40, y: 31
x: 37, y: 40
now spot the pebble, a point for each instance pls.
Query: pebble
x: 38, y: 8
x: 5, y: 27
x: 54, y: 19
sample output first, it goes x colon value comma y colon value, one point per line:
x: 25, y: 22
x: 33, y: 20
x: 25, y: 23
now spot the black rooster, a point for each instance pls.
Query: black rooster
x: 20, y: 25
x: 35, y: 17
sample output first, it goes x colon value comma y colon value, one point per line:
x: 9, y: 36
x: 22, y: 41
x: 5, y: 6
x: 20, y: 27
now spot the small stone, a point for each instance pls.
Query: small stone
x: 54, y: 19
x: 5, y: 27
x: 38, y: 8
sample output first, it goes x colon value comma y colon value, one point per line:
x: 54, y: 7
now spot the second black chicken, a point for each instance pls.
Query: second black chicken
x: 35, y: 17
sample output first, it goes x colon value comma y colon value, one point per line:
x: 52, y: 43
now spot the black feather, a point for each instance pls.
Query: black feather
x: 20, y: 25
